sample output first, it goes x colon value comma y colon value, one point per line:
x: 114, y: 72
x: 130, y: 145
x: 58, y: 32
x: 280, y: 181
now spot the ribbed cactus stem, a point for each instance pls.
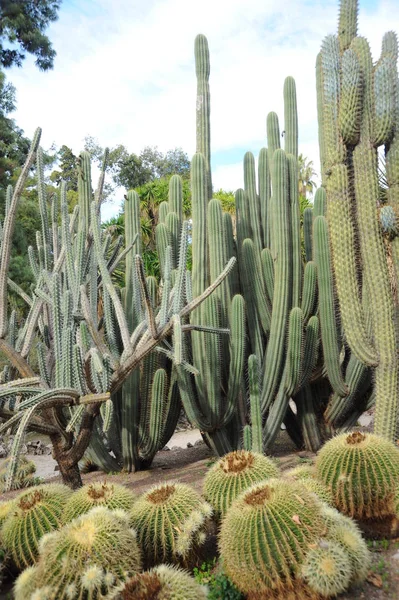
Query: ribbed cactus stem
x: 283, y: 269
x: 256, y: 415
x: 253, y: 200
x: 347, y: 25
x: 264, y: 194
x: 290, y: 117
x: 202, y: 69
x: 329, y: 334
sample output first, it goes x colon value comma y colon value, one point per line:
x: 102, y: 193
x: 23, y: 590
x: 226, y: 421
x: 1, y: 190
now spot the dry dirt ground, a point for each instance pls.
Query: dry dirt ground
x: 189, y: 465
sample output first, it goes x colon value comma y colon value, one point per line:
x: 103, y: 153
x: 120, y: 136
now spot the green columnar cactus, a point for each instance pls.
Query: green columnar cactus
x: 202, y: 68
x: 171, y: 521
x: 361, y: 471
x: 255, y: 412
x: 112, y: 496
x: 327, y: 569
x: 162, y: 583
x: 275, y: 521
x: 35, y: 512
x: 89, y: 557
x: 234, y: 473
x: 357, y: 114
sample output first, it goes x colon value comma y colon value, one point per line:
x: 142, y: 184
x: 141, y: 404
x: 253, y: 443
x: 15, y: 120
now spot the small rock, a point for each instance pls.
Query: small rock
x: 189, y: 445
x: 165, y: 449
x: 199, y: 443
x: 396, y: 555
x: 174, y: 448
x: 56, y: 468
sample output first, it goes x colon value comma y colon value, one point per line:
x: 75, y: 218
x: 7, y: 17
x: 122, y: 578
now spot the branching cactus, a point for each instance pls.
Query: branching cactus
x: 358, y: 124
x: 87, y: 344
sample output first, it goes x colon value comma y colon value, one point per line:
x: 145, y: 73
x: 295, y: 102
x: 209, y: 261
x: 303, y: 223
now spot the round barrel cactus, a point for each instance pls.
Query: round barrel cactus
x: 327, y: 569
x: 234, y: 473
x: 344, y: 531
x: 305, y: 475
x: 36, y: 511
x: 24, y: 476
x: 266, y: 534
x: 89, y: 557
x: 170, y: 520
x: 5, y: 508
x: 361, y: 470
x: 25, y: 584
x: 113, y: 496
x: 301, y: 472
x: 162, y: 583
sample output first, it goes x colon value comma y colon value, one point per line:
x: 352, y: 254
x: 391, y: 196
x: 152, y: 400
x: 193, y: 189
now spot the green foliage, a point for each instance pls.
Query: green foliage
x: 277, y: 520
x: 23, y: 24
x: 361, y: 470
x: 112, y: 496
x: 36, y: 512
x: 219, y: 585
x: 227, y: 199
x: 234, y: 473
x: 90, y: 556
x: 171, y: 521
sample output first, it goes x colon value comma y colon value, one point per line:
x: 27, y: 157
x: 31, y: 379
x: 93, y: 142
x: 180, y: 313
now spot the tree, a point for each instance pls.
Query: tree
x: 22, y: 24
x: 130, y: 170
x: 306, y: 174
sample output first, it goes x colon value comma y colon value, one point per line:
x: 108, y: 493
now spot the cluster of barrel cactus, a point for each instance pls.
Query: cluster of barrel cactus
x: 276, y: 534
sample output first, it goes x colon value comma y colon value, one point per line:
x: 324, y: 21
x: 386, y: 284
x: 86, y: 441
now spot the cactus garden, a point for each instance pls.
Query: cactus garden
x: 269, y: 326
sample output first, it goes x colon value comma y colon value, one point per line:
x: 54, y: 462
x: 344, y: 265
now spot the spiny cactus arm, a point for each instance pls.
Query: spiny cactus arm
x: 146, y: 296
x: 202, y: 69
x: 384, y: 89
x: 358, y: 379
x: 341, y: 228
x: 133, y: 360
x: 307, y: 419
x: 156, y: 414
x: 98, y: 195
x: 8, y: 230
x: 256, y: 416
x: 180, y: 283
x: 264, y: 194
x: 320, y: 203
x: 307, y: 233
x: 255, y: 285
x: 95, y: 334
x: 347, y: 25
x: 18, y: 290
x: 295, y: 347
x: 33, y: 318
x: 41, y: 189
x: 296, y: 246
x: 273, y: 364
x: 247, y: 438
x: 268, y: 273
x: 253, y: 201
x: 350, y: 105
x: 84, y: 190
x: 309, y: 292
x: 290, y: 118
x: 120, y: 315
x: 112, y: 266
x: 328, y: 323
x: 72, y: 224
x: 199, y: 233
x: 311, y: 349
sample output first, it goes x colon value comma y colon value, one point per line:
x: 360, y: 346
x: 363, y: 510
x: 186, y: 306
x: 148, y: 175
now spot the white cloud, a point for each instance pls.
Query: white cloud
x: 124, y: 72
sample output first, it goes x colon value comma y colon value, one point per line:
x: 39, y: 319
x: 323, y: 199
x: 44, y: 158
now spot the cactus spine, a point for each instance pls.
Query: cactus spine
x: 356, y: 103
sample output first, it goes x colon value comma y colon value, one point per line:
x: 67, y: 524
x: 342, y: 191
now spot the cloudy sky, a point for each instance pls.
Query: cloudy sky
x: 124, y: 73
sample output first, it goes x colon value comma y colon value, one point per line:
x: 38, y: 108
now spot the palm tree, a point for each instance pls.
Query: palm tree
x: 306, y: 174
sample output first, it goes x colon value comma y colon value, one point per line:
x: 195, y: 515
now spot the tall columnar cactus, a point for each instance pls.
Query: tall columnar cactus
x: 357, y: 106
x: 88, y: 345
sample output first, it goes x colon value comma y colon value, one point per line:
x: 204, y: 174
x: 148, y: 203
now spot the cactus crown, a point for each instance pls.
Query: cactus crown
x: 142, y: 587
x: 355, y: 438
x: 238, y: 461
x: 259, y: 496
x: 30, y: 500
x: 161, y: 494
